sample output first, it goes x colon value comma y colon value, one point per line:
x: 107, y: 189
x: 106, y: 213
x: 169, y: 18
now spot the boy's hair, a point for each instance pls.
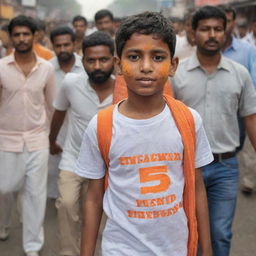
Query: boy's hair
x: 102, y: 14
x: 23, y: 21
x: 99, y: 38
x: 62, y: 31
x: 208, y: 12
x: 78, y: 18
x: 146, y: 23
x: 228, y: 8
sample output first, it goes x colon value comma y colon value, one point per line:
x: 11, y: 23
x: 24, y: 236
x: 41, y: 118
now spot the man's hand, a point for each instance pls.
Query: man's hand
x: 55, y: 149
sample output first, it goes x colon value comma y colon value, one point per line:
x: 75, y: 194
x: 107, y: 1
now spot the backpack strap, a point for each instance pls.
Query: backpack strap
x: 104, y: 135
x: 185, y: 123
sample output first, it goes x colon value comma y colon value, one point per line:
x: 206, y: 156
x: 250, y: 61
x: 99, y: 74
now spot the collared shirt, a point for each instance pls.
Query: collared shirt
x: 25, y: 105
x: 243, y: 53
x: 78, y: 97
x: 60, y: 74
x: 218, y: 97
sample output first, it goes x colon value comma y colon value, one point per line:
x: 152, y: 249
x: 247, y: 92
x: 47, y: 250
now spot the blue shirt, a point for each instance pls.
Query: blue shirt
x: 243, y: 53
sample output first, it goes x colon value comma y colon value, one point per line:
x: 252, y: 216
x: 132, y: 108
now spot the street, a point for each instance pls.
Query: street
x: 243, y: 244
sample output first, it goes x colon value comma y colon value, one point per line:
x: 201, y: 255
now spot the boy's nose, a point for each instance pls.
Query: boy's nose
x: 146, y: 65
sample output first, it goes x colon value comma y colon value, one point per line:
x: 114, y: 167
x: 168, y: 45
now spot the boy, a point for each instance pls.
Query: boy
x: 144, y: 199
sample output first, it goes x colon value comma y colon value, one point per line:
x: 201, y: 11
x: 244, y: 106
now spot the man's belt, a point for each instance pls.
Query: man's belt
x: 222, y: 156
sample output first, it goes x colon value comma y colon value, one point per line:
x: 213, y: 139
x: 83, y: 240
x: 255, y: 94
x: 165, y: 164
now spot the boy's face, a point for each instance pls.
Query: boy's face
x: 146, y: 64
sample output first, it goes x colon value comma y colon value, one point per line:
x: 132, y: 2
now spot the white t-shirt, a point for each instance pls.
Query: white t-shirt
x: 77, y: 96
x: 60, y: 74
x: 144, y: 198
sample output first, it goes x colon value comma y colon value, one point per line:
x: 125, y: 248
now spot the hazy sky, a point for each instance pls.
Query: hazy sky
x: 92, y: 6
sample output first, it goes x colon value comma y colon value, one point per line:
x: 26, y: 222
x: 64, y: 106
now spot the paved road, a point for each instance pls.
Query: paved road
x: 244, y: 240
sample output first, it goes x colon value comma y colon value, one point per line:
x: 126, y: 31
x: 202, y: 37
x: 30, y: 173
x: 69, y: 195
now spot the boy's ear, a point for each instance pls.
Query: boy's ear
x: 174, y: 65
x: 118, y: 68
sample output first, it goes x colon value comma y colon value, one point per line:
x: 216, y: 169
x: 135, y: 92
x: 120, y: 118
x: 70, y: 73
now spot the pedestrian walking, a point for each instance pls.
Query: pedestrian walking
x: 152, y: 199
x: 218, y: 88
x: 82, y: 95
x: 27, y: 91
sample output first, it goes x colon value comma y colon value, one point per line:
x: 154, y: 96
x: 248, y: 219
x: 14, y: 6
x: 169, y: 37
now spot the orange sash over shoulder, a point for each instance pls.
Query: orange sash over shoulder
x: 185, y: 124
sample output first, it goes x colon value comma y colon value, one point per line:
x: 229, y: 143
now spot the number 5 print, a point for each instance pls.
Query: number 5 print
x: 155, y: 173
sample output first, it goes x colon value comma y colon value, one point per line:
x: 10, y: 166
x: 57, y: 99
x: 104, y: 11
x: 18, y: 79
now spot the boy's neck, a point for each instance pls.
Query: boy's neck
x: 142, y: 107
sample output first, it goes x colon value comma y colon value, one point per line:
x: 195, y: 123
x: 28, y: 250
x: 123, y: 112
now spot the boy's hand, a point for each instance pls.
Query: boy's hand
x: 55, y: 149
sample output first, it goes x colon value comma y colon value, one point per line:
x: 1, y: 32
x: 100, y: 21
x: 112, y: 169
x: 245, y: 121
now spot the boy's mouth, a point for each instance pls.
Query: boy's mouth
x: 146, y: 79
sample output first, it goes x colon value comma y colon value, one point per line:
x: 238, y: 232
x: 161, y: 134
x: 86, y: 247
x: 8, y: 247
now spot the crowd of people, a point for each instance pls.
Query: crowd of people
x: 140, y: 120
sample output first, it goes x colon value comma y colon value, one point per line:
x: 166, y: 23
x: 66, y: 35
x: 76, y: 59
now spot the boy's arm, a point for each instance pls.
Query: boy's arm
x: 92, y: 213
x: 202, y: 215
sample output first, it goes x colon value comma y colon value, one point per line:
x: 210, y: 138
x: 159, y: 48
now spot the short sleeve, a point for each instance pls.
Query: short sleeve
x: 247, y: 103
x: 203, y: 154
x: 61, y: 101
x: 252, y: 64
x: 90, y: 163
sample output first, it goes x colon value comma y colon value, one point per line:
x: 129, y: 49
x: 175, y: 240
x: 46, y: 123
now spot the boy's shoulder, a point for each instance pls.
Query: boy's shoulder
x: 113, y: 110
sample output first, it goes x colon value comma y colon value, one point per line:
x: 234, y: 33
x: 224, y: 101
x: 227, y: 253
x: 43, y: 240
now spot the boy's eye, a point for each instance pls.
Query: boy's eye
x: 158, y: 58
x: 133, y: 57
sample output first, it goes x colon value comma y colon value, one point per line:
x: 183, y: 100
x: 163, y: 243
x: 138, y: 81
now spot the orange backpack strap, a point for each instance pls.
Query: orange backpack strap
x: 185, y: 123
x: 120, y: 90
x: 104, y: 135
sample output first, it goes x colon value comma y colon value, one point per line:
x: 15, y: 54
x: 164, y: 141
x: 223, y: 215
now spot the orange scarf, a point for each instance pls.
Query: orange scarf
x: 185, y: 124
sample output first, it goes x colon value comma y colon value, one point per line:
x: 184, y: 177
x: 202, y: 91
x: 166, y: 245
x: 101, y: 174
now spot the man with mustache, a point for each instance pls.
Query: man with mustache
x: 27, y: 89
x: 65, y: 61
x: 82, y: 95
x: 218, y: 88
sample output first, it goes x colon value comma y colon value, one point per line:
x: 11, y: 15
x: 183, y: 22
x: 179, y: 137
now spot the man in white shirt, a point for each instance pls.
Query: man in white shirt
x: 185, y: 46
x: 27, y: 89
x: 65, y: 61
x: 82, y: 95
x: 80, y: 25
x: 104, y: 21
